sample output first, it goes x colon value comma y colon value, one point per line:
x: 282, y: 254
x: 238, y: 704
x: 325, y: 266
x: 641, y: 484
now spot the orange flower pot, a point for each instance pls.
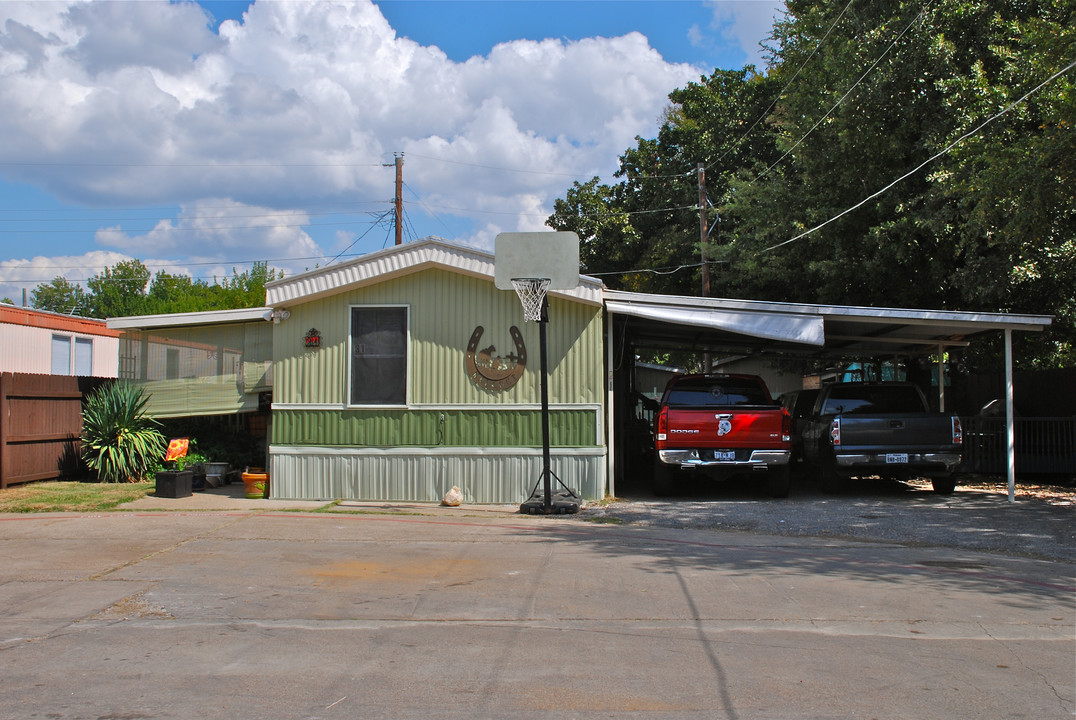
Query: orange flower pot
x: 256, y: 483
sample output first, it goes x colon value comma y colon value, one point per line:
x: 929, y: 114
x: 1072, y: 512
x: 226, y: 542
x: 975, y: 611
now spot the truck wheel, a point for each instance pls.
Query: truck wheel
x: 944, y: 485
x: 778, y: 481
x: 828, y: 479
x: 664, y: 479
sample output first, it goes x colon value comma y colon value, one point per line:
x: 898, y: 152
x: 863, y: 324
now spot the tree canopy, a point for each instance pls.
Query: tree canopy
x: 127, y: 288
x: 894, y: 154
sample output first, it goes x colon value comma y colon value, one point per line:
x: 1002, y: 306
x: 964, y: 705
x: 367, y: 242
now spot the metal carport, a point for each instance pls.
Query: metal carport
x: 820, y: 331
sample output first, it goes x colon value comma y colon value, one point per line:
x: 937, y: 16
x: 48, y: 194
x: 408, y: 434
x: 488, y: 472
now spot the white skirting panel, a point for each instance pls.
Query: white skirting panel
x: 485, y: 475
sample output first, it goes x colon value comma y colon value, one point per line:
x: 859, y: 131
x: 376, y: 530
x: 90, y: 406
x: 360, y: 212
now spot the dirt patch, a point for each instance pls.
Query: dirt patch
x: 134, y: 606
x: 1054, y: 494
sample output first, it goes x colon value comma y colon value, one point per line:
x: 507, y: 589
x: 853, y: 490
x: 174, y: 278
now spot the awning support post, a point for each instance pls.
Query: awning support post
x: 941, y: 378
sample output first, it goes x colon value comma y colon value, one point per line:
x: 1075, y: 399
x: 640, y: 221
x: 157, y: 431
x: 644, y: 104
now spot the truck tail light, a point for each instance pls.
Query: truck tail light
x: 786, y: 426
x: 835, y: 431
x: 661, y: 426
x: 958, y: 431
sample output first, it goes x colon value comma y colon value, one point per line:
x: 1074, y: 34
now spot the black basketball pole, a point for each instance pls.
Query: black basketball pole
x: 542, y: 322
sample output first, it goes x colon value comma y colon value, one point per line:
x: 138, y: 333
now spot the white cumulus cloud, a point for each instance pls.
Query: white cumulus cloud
x: 122, y: 104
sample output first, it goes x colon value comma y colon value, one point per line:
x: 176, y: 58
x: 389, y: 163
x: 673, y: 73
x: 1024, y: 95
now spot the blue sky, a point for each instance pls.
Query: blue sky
x: 199, y: 138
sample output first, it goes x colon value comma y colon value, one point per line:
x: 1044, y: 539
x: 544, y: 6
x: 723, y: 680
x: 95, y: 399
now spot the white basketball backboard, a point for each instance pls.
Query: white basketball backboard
x: 553, y: 255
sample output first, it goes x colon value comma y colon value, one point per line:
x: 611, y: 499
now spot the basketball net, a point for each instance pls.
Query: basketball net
x: 531, y: 292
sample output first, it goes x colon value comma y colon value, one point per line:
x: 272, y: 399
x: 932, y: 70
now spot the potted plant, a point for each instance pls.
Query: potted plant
x: 174, y: 482
x: 256, y: 482
x: 195, y: 462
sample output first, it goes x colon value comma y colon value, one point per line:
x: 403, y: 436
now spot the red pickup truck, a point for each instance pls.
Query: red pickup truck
x: 725, y: 424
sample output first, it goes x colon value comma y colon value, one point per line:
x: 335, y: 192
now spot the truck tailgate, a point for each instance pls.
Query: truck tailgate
x: 716, y: 428
x: 896, y: 430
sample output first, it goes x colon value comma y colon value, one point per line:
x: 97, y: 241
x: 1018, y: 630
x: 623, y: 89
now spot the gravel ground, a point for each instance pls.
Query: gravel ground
x: 978, y: 516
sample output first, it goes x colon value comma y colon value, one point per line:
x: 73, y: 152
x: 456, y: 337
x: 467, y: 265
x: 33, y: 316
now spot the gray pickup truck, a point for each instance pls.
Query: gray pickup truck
x: 886, y: 429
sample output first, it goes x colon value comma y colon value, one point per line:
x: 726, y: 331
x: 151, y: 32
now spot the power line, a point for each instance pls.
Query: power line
x: 848, y: 92
x: 374, y: 224
x: 766, y: 112
x: 186, y: 218
x: 494, y: 167
x: 201, y: 228
x: 230, y: 166
x: 657, y: 271
x: 929, y: 160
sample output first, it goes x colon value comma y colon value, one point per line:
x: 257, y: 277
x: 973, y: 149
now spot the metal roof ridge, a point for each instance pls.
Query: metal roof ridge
x: 399, y: 260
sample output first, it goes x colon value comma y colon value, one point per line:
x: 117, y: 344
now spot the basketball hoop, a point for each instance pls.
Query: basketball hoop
x: 531, y: 293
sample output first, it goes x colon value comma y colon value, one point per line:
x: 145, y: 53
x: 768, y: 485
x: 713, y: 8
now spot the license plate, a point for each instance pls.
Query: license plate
x: 721, y: 455
x: 896, y: 458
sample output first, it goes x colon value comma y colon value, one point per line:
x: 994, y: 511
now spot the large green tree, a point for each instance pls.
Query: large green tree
x: 179, y: 293
x: 119, y: 290
x: 649, y: 221
x: 59, y: 296
x: 870, y: 166
x: 127, y: 289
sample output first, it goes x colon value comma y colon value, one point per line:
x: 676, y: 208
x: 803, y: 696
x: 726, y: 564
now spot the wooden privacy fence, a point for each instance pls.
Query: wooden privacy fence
x: 1043, y: 445
x: 40, y: 421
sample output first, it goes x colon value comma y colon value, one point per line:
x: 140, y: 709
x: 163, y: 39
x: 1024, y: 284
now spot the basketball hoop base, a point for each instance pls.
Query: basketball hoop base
x: 564, y: 502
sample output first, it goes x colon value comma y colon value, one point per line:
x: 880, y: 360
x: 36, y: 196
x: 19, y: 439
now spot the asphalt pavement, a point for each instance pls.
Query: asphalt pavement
x: 220, y: 607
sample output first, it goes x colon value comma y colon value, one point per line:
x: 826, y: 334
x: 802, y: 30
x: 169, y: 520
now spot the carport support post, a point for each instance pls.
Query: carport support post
x: 941, y: 378
x: 1010, y: 424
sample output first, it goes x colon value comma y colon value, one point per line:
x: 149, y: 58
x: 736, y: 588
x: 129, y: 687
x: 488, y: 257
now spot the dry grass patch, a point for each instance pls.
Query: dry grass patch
x: 70, y: 496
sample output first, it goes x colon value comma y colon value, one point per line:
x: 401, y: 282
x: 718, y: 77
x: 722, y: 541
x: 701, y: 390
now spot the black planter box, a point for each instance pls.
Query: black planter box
x: 174, y: 483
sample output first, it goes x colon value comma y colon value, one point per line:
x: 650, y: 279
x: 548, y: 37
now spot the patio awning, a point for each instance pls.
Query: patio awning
x: 784, y: 327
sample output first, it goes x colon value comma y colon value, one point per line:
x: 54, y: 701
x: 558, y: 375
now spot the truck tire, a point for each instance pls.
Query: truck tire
x: 664, y: 480
x: 828, y: 479
x: 778, y: 481
x: 944, y: 485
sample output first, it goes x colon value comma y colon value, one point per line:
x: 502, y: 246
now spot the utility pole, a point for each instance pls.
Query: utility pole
x: 399, y: 199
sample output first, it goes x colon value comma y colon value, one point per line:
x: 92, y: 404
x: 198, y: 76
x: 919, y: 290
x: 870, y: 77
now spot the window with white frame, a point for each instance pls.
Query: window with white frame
x: 84, y: 357
x: 61, y: 354
x: 378, y: 355
x: 72, y: 356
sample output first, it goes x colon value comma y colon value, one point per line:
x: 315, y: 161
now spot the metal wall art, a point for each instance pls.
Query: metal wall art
x: 494, y: 373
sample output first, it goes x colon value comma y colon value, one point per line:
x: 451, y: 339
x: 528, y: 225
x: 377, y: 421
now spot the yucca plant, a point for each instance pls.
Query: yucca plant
x: 120, y: 442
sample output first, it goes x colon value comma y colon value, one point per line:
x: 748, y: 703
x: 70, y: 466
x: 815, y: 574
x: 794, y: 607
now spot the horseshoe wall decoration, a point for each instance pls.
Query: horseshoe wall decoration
x: 491, y: 372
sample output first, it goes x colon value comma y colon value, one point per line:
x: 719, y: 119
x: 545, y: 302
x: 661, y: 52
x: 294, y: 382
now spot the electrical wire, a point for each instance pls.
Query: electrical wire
x: 360, y: 237
x: 848, y: 92
x: 929, y: 160
x: 656, y: 271
x: 766, y: 112
x: 427, y: 209
x: 17, y: 163
x: 494, y: 167
x: 185, y: 218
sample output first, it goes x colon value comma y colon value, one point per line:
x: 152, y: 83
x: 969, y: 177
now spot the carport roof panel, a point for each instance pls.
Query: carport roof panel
x: 770, y: 326
x: 847, y: 329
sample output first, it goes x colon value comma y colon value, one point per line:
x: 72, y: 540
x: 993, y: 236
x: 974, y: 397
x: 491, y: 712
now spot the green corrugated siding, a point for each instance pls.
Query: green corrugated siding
x: 422, y: 428
x: 444, y: 309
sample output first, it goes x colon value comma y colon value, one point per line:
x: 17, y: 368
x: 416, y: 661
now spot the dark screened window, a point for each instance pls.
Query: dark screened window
x: 877, y: 399
x: 717, y: 392
x: 379, y: 356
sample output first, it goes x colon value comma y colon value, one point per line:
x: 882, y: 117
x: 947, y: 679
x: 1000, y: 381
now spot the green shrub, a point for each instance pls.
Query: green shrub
x: 119, y: 441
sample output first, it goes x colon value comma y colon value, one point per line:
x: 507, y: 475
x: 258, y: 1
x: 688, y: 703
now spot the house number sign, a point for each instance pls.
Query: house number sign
x: 491, y: 372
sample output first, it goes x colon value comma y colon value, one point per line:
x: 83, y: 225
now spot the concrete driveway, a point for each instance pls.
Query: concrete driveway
x: 370, y: 612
